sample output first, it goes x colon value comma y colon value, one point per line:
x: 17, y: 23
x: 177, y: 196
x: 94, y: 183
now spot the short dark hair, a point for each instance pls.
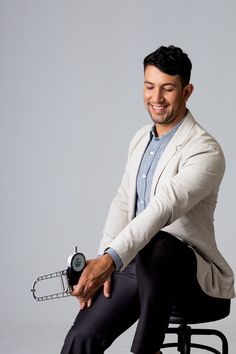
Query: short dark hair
x: 172, y: 61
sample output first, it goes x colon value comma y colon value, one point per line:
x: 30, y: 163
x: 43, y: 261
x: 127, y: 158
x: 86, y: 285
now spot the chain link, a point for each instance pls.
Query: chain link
x: 66, y: 290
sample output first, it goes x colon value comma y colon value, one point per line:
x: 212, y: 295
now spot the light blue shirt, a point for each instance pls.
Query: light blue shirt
x: 150, y: 159
x: 148, y: 166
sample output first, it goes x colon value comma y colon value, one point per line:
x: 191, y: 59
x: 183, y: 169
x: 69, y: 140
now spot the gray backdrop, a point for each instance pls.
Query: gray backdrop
x: 70, y: 100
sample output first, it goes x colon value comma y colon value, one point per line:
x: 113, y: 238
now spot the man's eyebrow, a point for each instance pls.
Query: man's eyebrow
x: 165, y: 84
x: 148, y: 82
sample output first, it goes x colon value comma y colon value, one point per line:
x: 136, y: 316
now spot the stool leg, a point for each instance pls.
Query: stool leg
x: 224, y: 344
x: 220, y: 335
x: 224, y: 341
x: 184, y: 339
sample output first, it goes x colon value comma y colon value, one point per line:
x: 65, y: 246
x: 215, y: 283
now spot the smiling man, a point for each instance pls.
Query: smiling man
x: 158, y: 247
x: 165, y: 98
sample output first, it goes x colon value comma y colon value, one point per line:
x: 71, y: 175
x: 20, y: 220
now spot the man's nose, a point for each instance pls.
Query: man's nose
x: 158, y: 95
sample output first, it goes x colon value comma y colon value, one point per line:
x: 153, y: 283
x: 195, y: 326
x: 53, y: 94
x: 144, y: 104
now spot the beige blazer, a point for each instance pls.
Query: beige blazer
x: 182, y: 202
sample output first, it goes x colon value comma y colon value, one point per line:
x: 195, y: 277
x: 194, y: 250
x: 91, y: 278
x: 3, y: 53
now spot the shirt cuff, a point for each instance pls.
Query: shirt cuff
x: 116, y: 258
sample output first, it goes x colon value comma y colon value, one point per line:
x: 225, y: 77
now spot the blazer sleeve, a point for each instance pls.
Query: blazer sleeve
x: 117, y: 218
x: 199, y: 175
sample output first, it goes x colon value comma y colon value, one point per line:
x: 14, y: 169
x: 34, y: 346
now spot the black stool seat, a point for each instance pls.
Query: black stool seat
x: 216, y: 310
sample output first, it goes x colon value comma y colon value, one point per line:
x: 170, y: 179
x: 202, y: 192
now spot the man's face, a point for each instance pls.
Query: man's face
x: 164, y: 97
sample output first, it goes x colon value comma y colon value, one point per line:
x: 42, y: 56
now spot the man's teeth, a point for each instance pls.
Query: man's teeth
x: 158, y: 108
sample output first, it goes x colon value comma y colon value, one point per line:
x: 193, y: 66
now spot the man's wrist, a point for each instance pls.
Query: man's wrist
x: 109, y: 260
x: 116, y: 258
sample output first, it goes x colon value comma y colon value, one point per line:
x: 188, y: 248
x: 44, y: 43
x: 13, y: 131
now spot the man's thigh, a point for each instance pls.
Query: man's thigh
x: 107, y: 318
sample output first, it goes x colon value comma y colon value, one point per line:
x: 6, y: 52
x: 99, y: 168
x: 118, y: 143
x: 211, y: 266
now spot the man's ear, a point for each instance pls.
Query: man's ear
x: 188, y: 89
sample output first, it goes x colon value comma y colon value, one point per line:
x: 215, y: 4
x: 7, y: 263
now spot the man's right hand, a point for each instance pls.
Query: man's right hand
x: 106, y: 292
x: 96, y: 274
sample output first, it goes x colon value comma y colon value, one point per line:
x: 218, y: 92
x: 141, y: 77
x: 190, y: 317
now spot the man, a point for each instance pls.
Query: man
x: 158, y: 246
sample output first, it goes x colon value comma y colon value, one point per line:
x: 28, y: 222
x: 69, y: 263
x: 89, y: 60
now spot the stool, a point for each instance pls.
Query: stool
x: 219, y: 309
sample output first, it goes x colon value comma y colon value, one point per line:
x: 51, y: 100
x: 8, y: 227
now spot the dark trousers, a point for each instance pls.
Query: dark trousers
x: 162, y: 274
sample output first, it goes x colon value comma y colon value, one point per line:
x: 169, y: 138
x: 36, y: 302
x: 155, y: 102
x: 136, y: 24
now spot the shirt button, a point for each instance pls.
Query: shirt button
x: 151, y: 152
x: 141, y: 202
x: 144, y: 176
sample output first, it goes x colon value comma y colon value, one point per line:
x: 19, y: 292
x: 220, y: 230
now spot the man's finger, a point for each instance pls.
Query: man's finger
x: 77, y: 290
x: 82, y: 304
x: 85, y: 303
x: 107, y: 287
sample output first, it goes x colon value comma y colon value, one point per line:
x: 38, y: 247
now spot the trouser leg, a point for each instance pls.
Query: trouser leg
x: 166, y: 269
x: 165, y: 275
x: 97, y: 327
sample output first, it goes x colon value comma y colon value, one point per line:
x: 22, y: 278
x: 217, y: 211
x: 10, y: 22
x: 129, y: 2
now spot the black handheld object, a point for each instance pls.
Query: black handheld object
x: 69, y: 277
x: 76, y: 264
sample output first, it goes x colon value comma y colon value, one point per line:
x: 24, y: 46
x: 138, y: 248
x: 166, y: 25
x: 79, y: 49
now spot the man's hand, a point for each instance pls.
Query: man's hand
x: 96, y: 273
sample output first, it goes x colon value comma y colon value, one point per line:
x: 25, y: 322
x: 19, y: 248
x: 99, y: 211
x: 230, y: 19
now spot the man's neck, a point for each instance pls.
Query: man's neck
x: 163, y: 129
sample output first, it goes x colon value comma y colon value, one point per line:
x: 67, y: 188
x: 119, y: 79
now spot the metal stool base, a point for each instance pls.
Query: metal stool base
x: 184, y: 345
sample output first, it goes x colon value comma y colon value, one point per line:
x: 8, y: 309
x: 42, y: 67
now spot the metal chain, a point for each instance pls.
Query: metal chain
x: 66, y: 291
